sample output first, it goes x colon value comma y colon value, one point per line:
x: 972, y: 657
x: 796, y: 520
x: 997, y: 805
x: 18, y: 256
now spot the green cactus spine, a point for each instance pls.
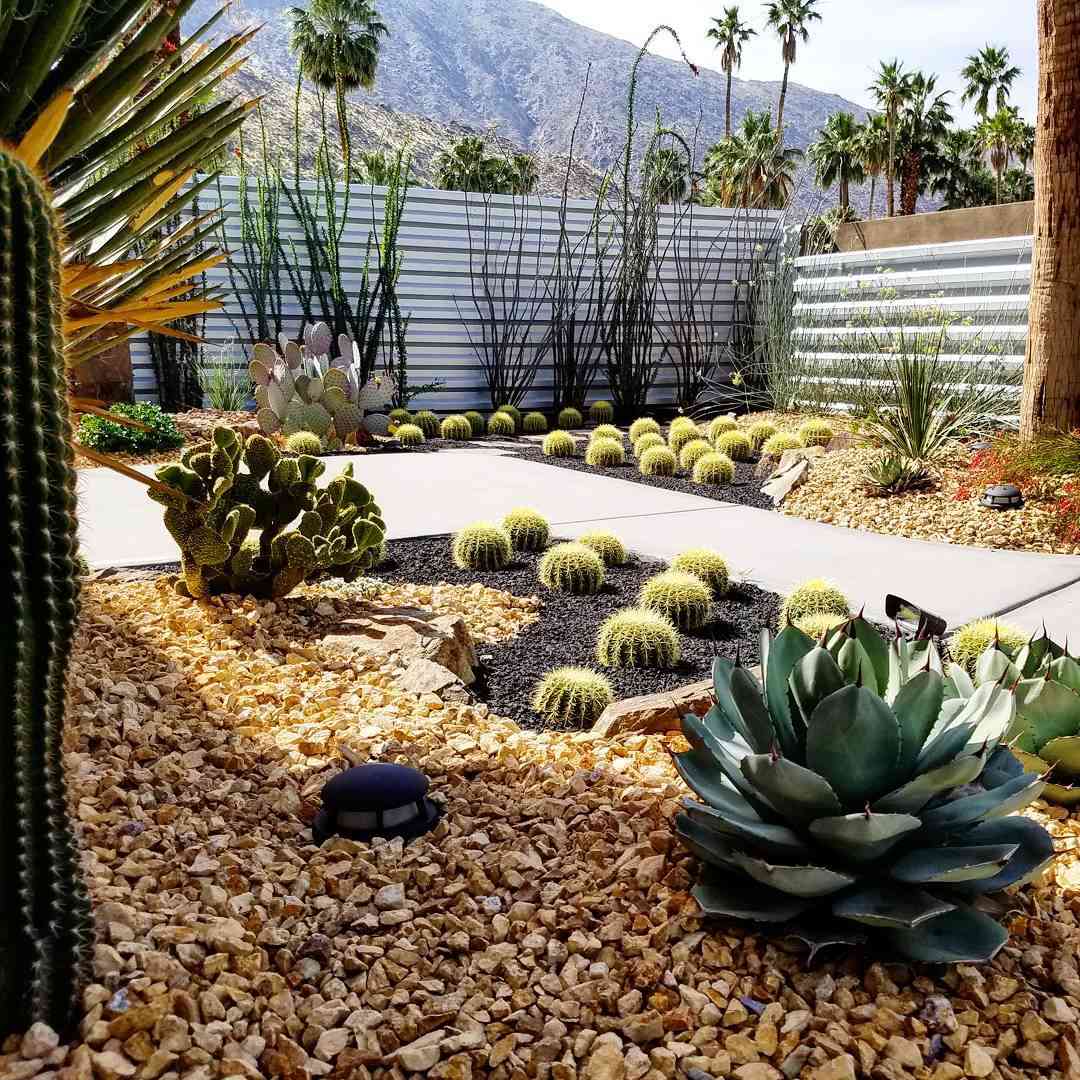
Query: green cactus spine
x: 44, y: 909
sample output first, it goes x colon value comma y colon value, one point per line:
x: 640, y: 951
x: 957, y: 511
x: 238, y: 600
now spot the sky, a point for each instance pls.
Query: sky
x: 845, y: 46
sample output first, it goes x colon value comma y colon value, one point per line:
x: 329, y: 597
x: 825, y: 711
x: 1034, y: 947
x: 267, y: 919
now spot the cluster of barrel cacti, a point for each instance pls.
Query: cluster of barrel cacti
x: 301, y: 388
x: 231, y: 508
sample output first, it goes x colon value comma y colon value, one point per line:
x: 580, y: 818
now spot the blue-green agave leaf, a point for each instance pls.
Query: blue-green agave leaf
x: 854, y: 661
x: 917, y: 792
x: 995, y: 665
x: 726, y: 753
x: 1066, y: 671
x: 800, y: 880
x: 960, y: 682
x: 875, y: 646
x: 960, y: 936
x: 799, y: 794
x: 961, y: 813
x: 707, y: 845
x: 776, y: 841
x: 698, y: 768
x: 785, y: 651
x: 944, y: 744
x: 1034, y: 851
x: 749, y: 697
x: 731, y: 896
x: 946, y: 865
x: 724, y: 675
x: 1002, y: 765
x: 892, y: 906
x: 813, y: 679
x: 1047, y: 709
x: 863, y: 837
x: 916, y: 708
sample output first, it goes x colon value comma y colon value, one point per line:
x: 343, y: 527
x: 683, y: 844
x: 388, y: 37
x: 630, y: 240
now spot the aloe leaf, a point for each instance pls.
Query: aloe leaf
x: 854, y: 661
x: 960, y: 936
x: 853, y: 741
x: 785, y: 651
x: 749, y: 698
x: 917, y: 792
x: 813, y: 679
x: 946, y: 865
x: 960, y: 680
x: 1011, y: 796
x: 734, y: 897
x: 698, y: 769
x: 891, y: 906
x: 1034, y: 851
x: 863, y: 837
x: 777, y: 841
x: 799, y: 794
x: 1048, y: 709
x: 875, y: 646
x: 806, y: 881
x: 916, y: 708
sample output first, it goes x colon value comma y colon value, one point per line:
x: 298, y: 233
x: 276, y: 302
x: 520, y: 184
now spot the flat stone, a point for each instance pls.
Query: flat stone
x: 784, y: 481
x: 424, y: 676
x: 652, y: 714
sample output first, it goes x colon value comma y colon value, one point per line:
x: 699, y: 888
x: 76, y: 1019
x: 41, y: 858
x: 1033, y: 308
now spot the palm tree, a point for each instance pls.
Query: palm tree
x: 375, y: 167
x: 923, y: 123
x: 836, y: 156
x: 522, y: 174
x: 873, y: 148
x: 464, y: 166
x: 988, y: 72
x: 960, y: 177
x: 891, y: 89
x: 750, y: 168
x: 730, y: 34
x: 1001, y: 136
x: 667, y: 174
x: 337, y: 42
x: 789, y: 19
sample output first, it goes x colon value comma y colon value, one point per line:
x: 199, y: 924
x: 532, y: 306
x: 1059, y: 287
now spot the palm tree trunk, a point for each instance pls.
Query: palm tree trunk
x: 997, y: 186
x: 870, y: 209
x: 909, y: 183
x: 845, y: 197
x: 727, y: 108
x: 780, y: 108
x: 890, y: 172
x: 1051, y: 397
x: 343, y: 129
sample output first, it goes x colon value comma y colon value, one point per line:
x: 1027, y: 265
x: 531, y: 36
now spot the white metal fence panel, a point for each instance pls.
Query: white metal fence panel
x: 442, y: 235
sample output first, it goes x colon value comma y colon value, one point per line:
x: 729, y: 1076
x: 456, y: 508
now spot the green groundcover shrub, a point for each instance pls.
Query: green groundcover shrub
x: 100, y: 434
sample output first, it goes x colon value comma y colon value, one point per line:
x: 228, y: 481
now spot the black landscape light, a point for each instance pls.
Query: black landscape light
x: 914, y: 619
x: 1002, y: 497
x: 376, y: 799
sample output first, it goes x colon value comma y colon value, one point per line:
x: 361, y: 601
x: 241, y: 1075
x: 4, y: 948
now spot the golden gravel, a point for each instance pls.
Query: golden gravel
x: 543, y: 930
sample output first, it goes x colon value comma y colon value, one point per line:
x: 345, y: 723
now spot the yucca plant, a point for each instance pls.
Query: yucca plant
x: 855, y: 789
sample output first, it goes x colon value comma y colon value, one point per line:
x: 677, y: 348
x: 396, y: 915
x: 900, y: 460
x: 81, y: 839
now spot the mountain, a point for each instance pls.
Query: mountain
x: 518, y: 69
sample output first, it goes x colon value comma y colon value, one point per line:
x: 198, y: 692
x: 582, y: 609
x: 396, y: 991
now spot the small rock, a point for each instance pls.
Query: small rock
x: 606, y: 1061
x: 109, y: 1065
x: 978, y: 1061
x: 904, y: 1051
x: 1034, y: 1027
x: 390, y: 897
x: 39, y: 1041
x: 1058, y: 1010
x: 837, y: 1068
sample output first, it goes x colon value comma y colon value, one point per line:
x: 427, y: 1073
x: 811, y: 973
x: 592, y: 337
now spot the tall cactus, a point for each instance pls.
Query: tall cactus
x: 44, y: 910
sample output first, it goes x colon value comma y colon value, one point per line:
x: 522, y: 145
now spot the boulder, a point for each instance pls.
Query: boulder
x: 653, y: 714
x: 784, y: 481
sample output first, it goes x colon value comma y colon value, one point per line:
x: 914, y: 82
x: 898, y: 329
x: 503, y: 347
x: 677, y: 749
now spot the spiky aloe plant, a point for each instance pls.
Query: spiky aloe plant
x: 44, y: 911
x: 853, y: 790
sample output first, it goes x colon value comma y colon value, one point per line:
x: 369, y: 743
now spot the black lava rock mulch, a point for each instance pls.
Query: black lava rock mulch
x: 566, y: 631
x: 745, y: 489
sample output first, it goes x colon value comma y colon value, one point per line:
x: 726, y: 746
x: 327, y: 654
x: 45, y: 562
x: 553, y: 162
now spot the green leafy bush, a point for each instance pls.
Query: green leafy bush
x: 570, y: 418
x: 572, y: 697
x: 736, y: 444
x: 572, y: 568
x: 647, y: 441
x: 775, y: 445
x: 708, y: 565
x: 638, y: 638
x: 972, y: 639
x: 501, y: 424
x: 427, y: 422
x: 100, y: 434
x: 679, y: 596
x: 604, y: 453
x: 304, y: 442
x: 719, y: 425
x: 479, y: 424
x: 481, y: 546
x: 816, y: 433
x: 692, y: 453
x: 601, y: 412
x: 409, y: 435
x: 760, y: 432
x: 813, y: 597
x: 643, y: 426
x: 714, y: 468
x: 559, y: 444
x: 528, y: 530
x: 534, y: 423
x: 657, y: 461
x: 607, y: 545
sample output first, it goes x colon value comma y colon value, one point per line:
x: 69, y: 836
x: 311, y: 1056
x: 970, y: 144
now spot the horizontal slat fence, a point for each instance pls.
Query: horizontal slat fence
x: 444, y: 232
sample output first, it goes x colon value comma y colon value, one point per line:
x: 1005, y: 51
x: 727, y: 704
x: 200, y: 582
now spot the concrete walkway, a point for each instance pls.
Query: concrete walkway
x: 424, y: 494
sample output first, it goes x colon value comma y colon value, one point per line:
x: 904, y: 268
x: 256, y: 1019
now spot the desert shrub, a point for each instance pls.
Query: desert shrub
x: 604, y: 453
x: 971, y: 640
x: 776, y: 444
x: 692, y: 453
x: 601, y: 412
x: 813, y: 597
x: 708, y: 565
x: 639, y: 638
x: 605, y: 431
x: 572, y: 568
x: 816, y: 433
x: 714, y: 468
x: 534, y: 423
x: 513, y: 412
x: 759, y: 432
x: 679, y: 596
x: 477, y: 421
x: 304, y: 442
x: 500, y: 423
x: 572, y: 697
x: 481, y: 546
x: 409, y: 435
x: 427, y: 422
x: 559, y: 444
x: 657, y: 461
x: 643, y: 426
x: 649, y: 439
x: 736, y: 444
x: 400, y: 416
x: 528, y: 530
x: 678, y: 437
x: 97, y: 433
x: 607, y: 545
x: 570, y: 418
x: 456, y: 427
x: 719, y: 425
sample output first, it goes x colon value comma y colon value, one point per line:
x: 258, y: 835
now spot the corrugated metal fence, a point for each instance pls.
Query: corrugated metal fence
x: 443, y: 233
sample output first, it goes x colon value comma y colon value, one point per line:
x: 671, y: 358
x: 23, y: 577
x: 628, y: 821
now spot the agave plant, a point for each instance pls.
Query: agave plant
x: 855, y: 786
x: 1045, y: 735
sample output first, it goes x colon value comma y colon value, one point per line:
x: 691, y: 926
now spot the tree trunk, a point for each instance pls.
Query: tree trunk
x: 870, y: 208
x: 727, y: 108
x: 845, y: 198
x: 909, y: 183
x: 890, y: 174
x: 1051, y: 398
x: 780, y: 108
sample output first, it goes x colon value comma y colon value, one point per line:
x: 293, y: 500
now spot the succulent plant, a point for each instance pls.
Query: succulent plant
x: 692, y: 453
x: 534, y: 423
x: 644, y: 425
x: 647, y: 441
x: 820, y: 626
x: 572, y: 697
x: 570, y: 418
x: 637, y: 638
x: 481, y: 546
x: 714, y: 468
x: 760, y: 432
x: 816, y: 433
x: 237, y: 536
x: 409, y: 435
x: 678, y: 595
x: 304, y: 442
x: 850, y: 790
x: 719, y: 424
x: 736, y: 444
x: 684, y: 422
x: 301, y: 388
x: 528, y: 530
x: 605, y: 431
x: 601, y: 412
x: 777, y: 444
x: 813, y: 597
x: 708, y: 565
x: 604, y: 453
x: 572, y: 568
x: 971, y: 640
x: 514, y: 413
x: 657, y: 461
x: 400, y: 416
x: 559, y: 444
x: 891, y: 474
x: 501, y: 424
x: 428, y: 423
x: 678, y: 437
x: 608, y: 546
x: 479, y: 424
x: 456, y: 427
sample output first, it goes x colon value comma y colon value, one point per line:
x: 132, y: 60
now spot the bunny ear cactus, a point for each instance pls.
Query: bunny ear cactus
x: 248, y: 520
x: 851, y: 790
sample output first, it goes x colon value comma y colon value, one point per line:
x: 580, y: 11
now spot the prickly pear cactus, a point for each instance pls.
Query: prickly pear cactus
x: 44, y: 910
x: 301, y: 389
x: 248, y: 520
